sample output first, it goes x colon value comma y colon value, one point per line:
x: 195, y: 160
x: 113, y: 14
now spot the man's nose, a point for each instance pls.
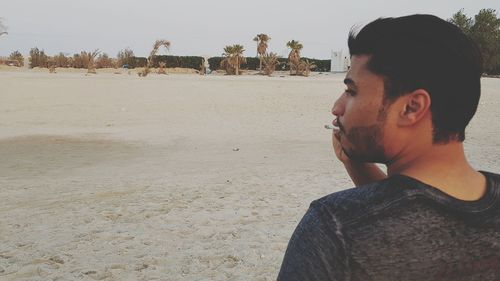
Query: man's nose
x: 337, y: 108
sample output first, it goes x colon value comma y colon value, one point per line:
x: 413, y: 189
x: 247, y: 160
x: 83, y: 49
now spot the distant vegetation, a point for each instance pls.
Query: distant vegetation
x: 233, y: 58
x: 18, y: 57
x: 262, y: 40
x: 126, y: 57
x: 38, y: 58
x: 252, y: 63
x: 152, y: 56
x: 88, y: 60
x: 484, y: 29
x: 270, y: 62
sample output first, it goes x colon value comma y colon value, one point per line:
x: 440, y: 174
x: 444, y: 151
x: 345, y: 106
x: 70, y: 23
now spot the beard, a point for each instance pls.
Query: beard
x: 364, y: 144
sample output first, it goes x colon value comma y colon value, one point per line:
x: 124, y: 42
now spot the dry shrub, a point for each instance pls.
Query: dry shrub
x: 89, y: 57
x: 104, y: 61
x: 304, y: 68
x: 79, y: 61
x: 161, y: 69
x: 125, y: 57
x: 51, y: 65
x: 17, y: 57
x: 270, y: 62
x: 38, y: 58
x: 61, y: 60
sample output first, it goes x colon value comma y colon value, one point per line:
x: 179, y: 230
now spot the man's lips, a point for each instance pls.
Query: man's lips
x: 336, y: 124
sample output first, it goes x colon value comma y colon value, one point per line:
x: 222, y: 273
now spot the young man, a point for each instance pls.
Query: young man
x: 413, y: 86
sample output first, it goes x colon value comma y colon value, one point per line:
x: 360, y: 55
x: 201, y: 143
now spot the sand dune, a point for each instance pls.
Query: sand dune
x: 177, y: 177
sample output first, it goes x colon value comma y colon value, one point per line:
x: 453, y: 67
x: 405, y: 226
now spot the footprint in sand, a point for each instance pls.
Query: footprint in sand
x: 98, y: 275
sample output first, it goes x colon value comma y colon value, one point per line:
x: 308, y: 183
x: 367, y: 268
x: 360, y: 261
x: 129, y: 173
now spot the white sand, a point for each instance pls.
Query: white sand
x: 178, y: 177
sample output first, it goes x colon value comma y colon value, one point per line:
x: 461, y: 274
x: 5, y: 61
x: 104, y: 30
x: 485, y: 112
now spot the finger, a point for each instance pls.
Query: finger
x: 337, y: 147
x: 336, y: 144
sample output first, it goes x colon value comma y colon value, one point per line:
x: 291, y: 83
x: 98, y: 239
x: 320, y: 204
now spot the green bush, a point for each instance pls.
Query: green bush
x: 195, y: 63
x: 253, y: 64
x: 214, y: 62
x: 138, y: 62
x: 179, y: 61
x: 170, y: 61
x: 283, y: 66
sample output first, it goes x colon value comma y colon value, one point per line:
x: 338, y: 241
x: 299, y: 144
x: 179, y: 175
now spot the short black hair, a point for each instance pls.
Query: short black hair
x: 425, y: 52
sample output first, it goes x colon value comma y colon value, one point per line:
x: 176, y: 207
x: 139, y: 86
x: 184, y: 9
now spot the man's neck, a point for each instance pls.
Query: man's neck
x: 443, y: 167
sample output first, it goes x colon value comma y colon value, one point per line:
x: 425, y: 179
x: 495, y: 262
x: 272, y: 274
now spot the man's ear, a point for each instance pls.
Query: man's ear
x: 415, y: 106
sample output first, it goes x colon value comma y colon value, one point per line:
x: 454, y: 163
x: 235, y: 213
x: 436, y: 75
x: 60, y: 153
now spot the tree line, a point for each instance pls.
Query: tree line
x: 84, y: 59
x: 484, y: 29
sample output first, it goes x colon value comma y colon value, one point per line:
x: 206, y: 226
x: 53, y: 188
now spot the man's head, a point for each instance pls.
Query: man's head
x: 409, y: 75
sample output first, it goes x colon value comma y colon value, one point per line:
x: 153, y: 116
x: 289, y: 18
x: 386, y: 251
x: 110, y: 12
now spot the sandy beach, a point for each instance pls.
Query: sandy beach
x: 171, y: 177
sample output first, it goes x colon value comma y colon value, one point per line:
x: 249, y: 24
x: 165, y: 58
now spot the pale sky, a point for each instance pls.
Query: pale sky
x: 201, y: 27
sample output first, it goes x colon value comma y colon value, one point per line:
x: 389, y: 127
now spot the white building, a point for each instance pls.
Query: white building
x: 340, y: 62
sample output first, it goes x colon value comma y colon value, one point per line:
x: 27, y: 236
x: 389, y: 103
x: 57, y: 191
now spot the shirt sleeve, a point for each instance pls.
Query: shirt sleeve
x: 316, y: 250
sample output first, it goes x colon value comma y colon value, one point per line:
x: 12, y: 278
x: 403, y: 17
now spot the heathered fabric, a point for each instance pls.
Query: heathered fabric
x: 397, y: 229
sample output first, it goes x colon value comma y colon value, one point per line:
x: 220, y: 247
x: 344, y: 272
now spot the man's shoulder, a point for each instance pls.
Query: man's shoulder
x: 396, y: 192
x: 494, y: 178
x: 353, y: 203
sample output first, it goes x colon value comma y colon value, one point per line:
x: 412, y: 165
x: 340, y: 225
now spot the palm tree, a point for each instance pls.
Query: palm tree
x: 233, y: 59
x: 156, y: 46
x: 261, y: 40
x: 90, y: 57
x: 270, y: 62
x: 294, y: 56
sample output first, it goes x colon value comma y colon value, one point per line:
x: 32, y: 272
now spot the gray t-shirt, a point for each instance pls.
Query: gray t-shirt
x: 397, y: 229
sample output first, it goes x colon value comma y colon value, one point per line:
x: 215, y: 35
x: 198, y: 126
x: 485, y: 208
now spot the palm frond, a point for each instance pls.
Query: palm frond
x: 263, y: 37
x: 294, y: 45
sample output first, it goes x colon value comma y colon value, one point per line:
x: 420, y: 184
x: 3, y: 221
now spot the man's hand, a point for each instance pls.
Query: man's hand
x: 339, y: 152
x: 361, y: 173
